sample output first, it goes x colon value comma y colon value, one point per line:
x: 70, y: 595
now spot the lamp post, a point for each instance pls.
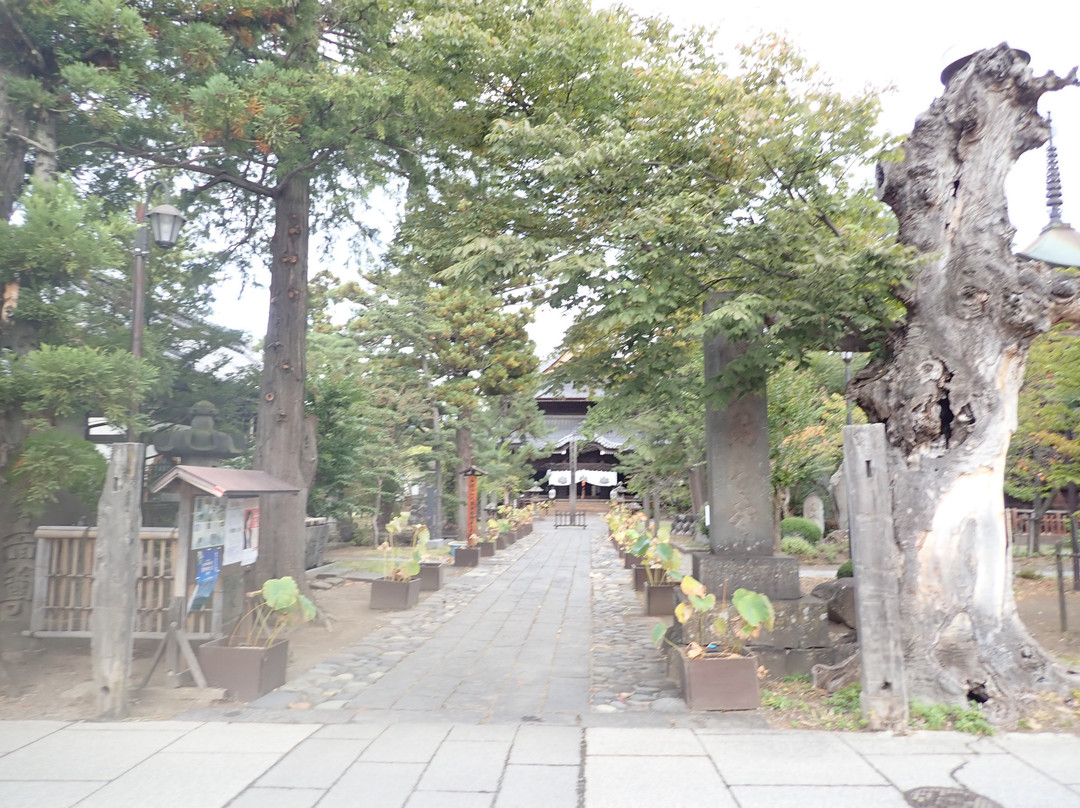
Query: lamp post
x: 165, y: 224
x: 847, y: 356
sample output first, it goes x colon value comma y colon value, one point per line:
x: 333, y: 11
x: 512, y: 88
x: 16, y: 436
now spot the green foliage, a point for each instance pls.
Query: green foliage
x: 1030, y: 574
x: 805, y: 422
x: 753, y: 612
x: 1044, y: 455
x: 279, y: 604
x: 846, y: 698
x: 53, y: 461
x: 393, y: 569
x: 798, y: 526
x: 949, y: 716
x: 796, y: 546
x: 846, y: 570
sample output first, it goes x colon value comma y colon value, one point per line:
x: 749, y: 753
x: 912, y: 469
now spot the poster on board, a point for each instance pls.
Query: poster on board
x: 208, y: 523
x: 207, y: 570
x: 242, y: 531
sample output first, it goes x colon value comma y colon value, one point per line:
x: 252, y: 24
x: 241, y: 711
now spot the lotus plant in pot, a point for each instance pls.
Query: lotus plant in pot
x: 661, y: 562
x: 469, y: 555
x: 499, y: 532
x: 709, y: 661
x: 252, y: 660
x: 399, y: 588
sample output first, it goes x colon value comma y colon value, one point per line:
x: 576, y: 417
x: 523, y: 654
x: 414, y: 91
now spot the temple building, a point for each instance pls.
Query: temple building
x: 591, y: 457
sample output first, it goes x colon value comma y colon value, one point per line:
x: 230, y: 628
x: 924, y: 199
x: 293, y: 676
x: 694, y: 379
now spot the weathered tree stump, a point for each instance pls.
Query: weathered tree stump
x: 947, y: 390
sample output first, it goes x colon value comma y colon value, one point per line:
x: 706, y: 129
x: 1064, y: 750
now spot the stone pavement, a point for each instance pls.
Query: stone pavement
x: 529, y: 681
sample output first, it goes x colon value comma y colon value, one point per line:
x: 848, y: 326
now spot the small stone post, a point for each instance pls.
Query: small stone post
x: 116, y: 557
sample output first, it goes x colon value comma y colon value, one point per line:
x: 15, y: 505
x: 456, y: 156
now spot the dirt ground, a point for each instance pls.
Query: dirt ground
x: 52, y: 678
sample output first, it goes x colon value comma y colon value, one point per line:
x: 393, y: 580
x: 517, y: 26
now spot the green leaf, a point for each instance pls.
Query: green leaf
x: 658, y: 633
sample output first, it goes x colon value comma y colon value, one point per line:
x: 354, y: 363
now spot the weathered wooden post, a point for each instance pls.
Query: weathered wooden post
x: 876, y: 561
x: 116, y: 557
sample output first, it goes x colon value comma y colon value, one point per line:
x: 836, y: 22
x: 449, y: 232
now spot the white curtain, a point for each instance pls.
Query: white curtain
x: 604, y: 479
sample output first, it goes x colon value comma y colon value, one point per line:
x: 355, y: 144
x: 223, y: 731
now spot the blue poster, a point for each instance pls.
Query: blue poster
x: 207, y: 569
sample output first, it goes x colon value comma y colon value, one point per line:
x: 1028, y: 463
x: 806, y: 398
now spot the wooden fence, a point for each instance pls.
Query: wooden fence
x: 64, y: 577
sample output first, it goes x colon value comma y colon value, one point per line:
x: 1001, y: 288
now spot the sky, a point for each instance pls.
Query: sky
x: 859, y: 44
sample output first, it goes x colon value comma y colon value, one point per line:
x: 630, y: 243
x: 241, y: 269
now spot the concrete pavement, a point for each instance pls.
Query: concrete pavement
x: 497, y: 692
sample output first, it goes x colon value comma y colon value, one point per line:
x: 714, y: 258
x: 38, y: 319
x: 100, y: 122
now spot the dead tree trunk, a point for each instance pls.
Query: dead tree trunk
x: 947, y: 393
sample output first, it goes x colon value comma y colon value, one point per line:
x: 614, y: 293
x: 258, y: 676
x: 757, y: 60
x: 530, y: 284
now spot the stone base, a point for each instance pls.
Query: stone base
x: 780, y: 662
x: 775, y: 576
x: 800, y: 624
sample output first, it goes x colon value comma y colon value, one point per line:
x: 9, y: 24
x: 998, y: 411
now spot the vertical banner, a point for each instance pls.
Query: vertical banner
x: 472, y: 507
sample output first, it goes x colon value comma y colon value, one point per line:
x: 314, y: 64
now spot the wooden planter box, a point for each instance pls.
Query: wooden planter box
x: 659, y: 599
x: 714, y: 682
x: 501, y: 542
x: 629, y: 561
x: 245, y: 671
x: 487, y: 549
x: 432, y: 575
x: 467, y: 556
x: 641, y: 576
x: 394, y: 595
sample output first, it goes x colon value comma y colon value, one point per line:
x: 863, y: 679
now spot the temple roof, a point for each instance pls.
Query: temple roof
x: 564, y: 428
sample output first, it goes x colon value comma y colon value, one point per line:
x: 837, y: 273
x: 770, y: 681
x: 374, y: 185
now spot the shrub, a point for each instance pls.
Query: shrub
x: 796, y: 546
x: 847, y: 570
x: 797, y: 526
x: 1030, y: 574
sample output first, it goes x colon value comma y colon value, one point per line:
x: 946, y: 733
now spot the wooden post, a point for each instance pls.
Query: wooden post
x: 876, y: 563
x: 116, y: 555
x: 472, y: 505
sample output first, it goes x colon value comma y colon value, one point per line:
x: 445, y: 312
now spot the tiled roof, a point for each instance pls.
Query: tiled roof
x: 564, y: 428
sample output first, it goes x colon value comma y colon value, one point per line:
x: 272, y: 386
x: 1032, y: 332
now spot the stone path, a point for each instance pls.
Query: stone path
x: 480, y: 698
x: 548, y: 630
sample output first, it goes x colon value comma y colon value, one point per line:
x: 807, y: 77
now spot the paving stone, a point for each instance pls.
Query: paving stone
x: 633, y: 782
x: 539, y: 787
x: 318, y: 763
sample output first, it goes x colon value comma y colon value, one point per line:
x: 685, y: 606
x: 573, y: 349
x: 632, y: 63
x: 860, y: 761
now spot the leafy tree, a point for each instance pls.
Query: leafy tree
x: 265, y: 106
x: 1044, y: 454
x: 806, y: 443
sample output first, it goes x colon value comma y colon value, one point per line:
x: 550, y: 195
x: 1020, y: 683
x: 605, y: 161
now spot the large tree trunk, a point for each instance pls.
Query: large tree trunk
x: 948, y: 394
x: 285, y: 438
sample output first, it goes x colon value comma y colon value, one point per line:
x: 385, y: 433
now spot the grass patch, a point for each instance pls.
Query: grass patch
x: 949, y: 716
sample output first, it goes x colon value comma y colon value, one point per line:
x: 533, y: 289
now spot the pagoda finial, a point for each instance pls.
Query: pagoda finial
x: 1053, y: 177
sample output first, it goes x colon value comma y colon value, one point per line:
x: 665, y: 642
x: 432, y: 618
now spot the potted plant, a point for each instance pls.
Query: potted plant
x: 469, y: 555
x: 660, y: 562
x: 499, y: 532
x: 399, y: 588
x: 709, y: 664
x: 432, y: 572
x: 252, y: 660
x: 487, y: 543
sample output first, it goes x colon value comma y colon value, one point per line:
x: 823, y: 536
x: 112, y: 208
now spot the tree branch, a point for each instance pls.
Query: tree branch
x: 39, y: 60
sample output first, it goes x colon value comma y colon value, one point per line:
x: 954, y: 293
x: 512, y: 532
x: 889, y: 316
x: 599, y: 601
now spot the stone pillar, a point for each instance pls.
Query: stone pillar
x: 737, y: 453
x: 741, y: 523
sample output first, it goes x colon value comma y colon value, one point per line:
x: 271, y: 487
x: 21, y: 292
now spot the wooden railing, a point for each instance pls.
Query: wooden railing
x: 1054, y: 523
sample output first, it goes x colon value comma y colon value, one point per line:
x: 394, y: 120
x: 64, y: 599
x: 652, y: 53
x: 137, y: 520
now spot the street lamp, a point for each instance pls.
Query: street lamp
x: 165, y: 224
x: 847, y: 356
